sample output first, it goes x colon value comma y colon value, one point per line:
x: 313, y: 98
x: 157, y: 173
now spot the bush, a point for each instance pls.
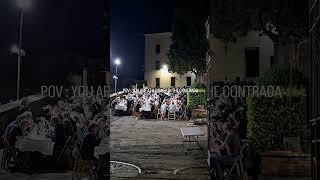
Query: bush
x: 280, y: 76
x: 195, y: 98
x: 270, y: 119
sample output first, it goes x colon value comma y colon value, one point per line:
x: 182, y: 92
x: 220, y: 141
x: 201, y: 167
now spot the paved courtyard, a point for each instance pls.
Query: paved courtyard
x: 156, y: 147
x: 47, y: 176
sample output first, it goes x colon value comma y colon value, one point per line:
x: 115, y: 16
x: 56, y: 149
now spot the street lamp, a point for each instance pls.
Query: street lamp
x: 117, y: 62
x: 165, y: 70
x: 23, y: 5
x: 165, y: 67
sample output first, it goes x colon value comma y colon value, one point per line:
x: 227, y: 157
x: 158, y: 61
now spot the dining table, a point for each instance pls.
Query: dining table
x: 35, y: 143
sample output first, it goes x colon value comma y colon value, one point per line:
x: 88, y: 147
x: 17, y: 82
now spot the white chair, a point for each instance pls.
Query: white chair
x: 172, y: 116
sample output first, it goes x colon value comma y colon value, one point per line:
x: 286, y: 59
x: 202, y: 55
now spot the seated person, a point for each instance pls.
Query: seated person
x: 69, y: 126
x: 137, y: 109
x: 102, y: 126
x: 227, y: 150
x: 219, y: 131
x: 89, y: 141
x: 24, y: 105
x: 45, y: 112
x: 164, y: 108
x: 95, y: 107
x: 180, y: 110
x: 59, y: 136
x: 172, y: 107
x: 17, y: 129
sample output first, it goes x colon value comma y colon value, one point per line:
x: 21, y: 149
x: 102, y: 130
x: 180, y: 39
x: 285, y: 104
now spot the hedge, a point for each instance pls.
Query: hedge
x: 280, y: 76
x: 270, y: 119
x: 195, y: 98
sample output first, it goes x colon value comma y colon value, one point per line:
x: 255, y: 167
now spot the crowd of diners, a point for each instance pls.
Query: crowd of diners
x: 227, y: 128
x: 146, y: 103
x: 78, y: 123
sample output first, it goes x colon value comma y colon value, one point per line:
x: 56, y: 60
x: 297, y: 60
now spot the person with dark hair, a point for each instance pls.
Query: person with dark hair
x: 89, y: 141
x: 24, y: 105
x: 45, y: 112
x: 59, y: 135
x: 78, y: 108
x: 17, y: 129
x: 68, y: 125
x: 227, y: 150
x: 94, y: 107
x: 219, y: 132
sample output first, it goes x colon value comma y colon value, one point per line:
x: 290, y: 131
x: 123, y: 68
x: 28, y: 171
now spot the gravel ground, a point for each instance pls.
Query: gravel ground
x: 122, y: 170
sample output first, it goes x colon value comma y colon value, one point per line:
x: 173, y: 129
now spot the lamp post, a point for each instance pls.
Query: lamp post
x: 23, y: 5
x: 117, y: 62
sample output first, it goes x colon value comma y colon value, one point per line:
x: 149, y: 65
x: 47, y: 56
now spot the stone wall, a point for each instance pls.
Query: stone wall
x: 285, y: 163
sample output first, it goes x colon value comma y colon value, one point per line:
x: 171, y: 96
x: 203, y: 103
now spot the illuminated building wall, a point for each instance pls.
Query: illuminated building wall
x: 247, y: 58
x: 156, y: 74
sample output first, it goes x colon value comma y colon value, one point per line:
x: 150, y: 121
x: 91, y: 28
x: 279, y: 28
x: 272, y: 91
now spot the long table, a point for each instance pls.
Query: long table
x: 36, y: 143
x: 191, y: 135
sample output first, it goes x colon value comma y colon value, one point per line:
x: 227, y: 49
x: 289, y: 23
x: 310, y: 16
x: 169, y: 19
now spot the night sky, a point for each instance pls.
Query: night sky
x: 58, y: 35
x: 130, y: 20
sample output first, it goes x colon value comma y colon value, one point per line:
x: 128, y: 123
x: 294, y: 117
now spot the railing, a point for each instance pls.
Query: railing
x: 15, y: 104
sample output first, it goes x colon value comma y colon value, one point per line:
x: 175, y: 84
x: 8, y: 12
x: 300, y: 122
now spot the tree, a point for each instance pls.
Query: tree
x: 285, y: 22
x: 189, y: 43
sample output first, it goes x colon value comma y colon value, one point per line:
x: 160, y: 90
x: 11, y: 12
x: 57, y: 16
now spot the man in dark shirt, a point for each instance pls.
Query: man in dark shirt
x: 13, y: 131
x: 67, y: 122
x: 16, y: 129
x: 229, y: 149
x: 95, y: 108
x: 60, y: 136
x: 89, y: 142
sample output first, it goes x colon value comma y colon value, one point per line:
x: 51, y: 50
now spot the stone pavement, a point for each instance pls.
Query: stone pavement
x: 156, y: 147
x: 48, y: 176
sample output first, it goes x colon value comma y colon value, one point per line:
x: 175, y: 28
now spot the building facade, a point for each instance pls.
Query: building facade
x: 156, y: 74
x: 245, y: 59
x: 314, y: 93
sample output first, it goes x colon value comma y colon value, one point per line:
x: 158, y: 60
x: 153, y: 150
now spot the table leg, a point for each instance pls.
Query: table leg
x: 200, y: 147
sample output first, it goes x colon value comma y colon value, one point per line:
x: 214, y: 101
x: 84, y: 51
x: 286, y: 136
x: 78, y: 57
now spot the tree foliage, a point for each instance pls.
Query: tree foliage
x: 276, y: 18
x: 189, y: 44
x: 283, y: 21
x: 280, y: 76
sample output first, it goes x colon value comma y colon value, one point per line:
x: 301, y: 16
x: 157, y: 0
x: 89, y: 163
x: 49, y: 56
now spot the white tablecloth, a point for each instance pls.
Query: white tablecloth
x: 147, y: 109
x: 41, y: 144
x: 191, y: 131
x: 121, y: 107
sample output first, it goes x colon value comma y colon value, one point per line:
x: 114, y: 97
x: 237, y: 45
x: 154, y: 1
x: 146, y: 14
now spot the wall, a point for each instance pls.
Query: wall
x: 229, y: 62
x: 165, y: 78
x: 164, y: 40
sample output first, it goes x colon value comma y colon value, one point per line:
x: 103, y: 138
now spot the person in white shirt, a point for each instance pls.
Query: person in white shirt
x: 172, y: 107
x: 165, y: 108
